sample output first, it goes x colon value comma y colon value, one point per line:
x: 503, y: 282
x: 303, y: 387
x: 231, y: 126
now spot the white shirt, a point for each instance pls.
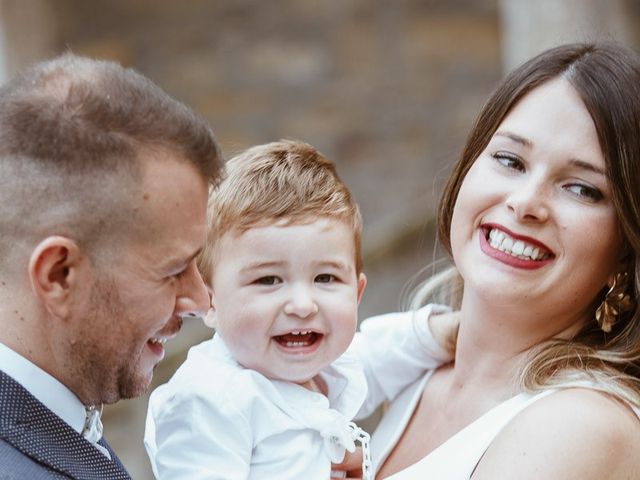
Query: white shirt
x: 48, y: 390
x: 218, y: 420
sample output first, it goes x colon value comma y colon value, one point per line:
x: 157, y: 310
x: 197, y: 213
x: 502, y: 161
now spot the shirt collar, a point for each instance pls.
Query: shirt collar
x: 49, y: 391
x: 346, y: 384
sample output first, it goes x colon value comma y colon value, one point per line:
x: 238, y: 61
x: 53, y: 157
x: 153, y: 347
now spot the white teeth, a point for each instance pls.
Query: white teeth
x: 517, y: 248
x: 304, y: 332
x: 161, y: 341
x: 296, y: 344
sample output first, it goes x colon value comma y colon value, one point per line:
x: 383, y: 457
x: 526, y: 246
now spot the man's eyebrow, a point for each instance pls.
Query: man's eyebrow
x: 178, y: 263
x: 516, y: 138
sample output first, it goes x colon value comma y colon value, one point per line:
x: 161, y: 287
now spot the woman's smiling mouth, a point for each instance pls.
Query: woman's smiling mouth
x: 512, y: 249
x: 524, y: 250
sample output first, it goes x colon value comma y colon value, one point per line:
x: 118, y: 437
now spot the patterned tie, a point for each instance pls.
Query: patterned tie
x: 92, y: 429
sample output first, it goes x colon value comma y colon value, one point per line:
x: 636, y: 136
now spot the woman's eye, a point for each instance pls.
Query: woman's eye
x: 508, y: 160
x: 325, y: 278
x: 585, y: 192
x: 268, y: 280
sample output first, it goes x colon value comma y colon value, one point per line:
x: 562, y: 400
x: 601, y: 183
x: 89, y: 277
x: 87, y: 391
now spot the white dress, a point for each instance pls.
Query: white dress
x: 457, y: 458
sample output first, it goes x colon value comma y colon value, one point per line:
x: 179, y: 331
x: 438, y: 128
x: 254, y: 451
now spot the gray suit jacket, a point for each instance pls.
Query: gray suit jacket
x: 35, y: 444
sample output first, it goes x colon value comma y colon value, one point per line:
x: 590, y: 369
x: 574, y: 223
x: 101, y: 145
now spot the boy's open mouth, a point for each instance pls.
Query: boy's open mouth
x: 298, y: 338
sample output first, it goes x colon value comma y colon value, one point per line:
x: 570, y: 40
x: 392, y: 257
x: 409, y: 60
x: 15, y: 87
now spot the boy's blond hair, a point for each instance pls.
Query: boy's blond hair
x: 288, y: 181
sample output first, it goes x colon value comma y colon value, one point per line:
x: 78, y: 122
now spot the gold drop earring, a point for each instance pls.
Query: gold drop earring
x: 616, y: 302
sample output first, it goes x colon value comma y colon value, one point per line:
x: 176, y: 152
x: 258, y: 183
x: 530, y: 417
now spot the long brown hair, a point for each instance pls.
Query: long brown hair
x: 607, y: 78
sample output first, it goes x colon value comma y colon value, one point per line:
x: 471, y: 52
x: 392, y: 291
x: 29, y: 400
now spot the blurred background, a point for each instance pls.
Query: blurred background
x: 386, y: 89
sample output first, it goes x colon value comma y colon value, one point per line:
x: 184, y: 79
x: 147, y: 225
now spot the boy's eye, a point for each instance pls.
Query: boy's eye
x: 509, y: 160
x: 325, y: 278
x: 268, y: 280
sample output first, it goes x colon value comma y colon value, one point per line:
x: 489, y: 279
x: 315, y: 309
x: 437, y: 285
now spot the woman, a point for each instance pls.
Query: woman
x: 541, y: 217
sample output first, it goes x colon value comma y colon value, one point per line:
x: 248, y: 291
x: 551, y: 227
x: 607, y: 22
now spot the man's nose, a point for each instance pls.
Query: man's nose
x: 193, y: 299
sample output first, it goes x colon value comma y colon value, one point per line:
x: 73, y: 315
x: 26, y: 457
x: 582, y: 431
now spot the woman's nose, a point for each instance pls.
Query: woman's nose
x: 529, y: 201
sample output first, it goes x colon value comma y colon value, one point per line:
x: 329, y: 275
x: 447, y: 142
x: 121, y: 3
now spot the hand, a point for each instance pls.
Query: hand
x: 350, y: 468
x: 444, y: 328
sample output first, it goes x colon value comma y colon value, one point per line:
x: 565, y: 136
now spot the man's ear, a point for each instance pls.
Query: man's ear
x: 53, y: 272
x: 362, y: 283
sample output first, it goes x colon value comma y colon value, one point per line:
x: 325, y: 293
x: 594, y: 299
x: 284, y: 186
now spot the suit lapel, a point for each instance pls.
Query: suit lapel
x: 40, y: 434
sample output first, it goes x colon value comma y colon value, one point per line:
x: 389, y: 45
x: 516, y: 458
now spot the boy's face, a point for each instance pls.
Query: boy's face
x: 285, y: 298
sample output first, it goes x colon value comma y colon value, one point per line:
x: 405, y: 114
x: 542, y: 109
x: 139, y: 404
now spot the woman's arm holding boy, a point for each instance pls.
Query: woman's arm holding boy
x: 397, y: 349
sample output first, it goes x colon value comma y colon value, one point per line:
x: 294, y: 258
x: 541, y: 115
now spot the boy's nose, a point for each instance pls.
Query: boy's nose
x: 301, y: 304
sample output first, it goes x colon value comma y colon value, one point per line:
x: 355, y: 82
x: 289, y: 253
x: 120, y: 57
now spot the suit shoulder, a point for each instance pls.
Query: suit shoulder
x: 16, y: 465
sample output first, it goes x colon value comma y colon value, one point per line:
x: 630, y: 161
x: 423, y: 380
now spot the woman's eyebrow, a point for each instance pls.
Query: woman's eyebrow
x: 516, y: 138
x: 587, y: 166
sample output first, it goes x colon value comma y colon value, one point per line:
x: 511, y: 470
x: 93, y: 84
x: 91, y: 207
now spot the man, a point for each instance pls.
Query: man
x: 103, y: 192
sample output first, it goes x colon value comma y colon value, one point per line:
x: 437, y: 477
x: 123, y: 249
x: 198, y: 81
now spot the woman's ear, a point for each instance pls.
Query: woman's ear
x: 53, y: 272
x: 362, y: 283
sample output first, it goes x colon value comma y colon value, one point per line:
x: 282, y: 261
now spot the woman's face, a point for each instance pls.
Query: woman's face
x: 534, y: 224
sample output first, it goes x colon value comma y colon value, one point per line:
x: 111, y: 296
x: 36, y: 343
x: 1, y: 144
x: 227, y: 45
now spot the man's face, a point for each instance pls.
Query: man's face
x: 138, y: 302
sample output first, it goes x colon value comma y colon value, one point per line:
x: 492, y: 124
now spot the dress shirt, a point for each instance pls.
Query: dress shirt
x: 218, y: 420
x: 48, y: 390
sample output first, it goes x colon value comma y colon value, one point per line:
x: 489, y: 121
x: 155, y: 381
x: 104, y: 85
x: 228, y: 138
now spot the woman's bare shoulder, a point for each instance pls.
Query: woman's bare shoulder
x: 570, y: 434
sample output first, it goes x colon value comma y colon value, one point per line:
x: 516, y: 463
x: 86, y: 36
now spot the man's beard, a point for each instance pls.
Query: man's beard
x: 106, y: 355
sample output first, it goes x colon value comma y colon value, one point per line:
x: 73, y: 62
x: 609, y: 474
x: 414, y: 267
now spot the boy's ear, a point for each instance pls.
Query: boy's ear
x: 362, y: 283
x: 54, y: 273
x: 210, y: 318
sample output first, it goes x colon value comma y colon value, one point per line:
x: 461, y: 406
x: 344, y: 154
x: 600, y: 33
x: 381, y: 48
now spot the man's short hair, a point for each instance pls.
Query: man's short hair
x: 287, y: 181
x: 71, y: 133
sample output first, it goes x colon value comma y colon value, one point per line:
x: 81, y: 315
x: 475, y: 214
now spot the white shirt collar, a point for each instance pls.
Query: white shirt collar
x: 329, y: 415
x: 49, y: 391
x: 345, y: 381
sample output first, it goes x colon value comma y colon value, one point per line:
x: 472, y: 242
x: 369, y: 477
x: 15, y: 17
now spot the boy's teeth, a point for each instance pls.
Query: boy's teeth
x: 159, y: 340
x: 501, y: 241
x: 303, y: 332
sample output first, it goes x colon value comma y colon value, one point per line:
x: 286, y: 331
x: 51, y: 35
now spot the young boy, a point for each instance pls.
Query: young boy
x: 273, y: 393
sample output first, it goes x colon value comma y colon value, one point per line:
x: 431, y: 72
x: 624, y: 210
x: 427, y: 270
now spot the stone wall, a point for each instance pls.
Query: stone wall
x: 387, y: 89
